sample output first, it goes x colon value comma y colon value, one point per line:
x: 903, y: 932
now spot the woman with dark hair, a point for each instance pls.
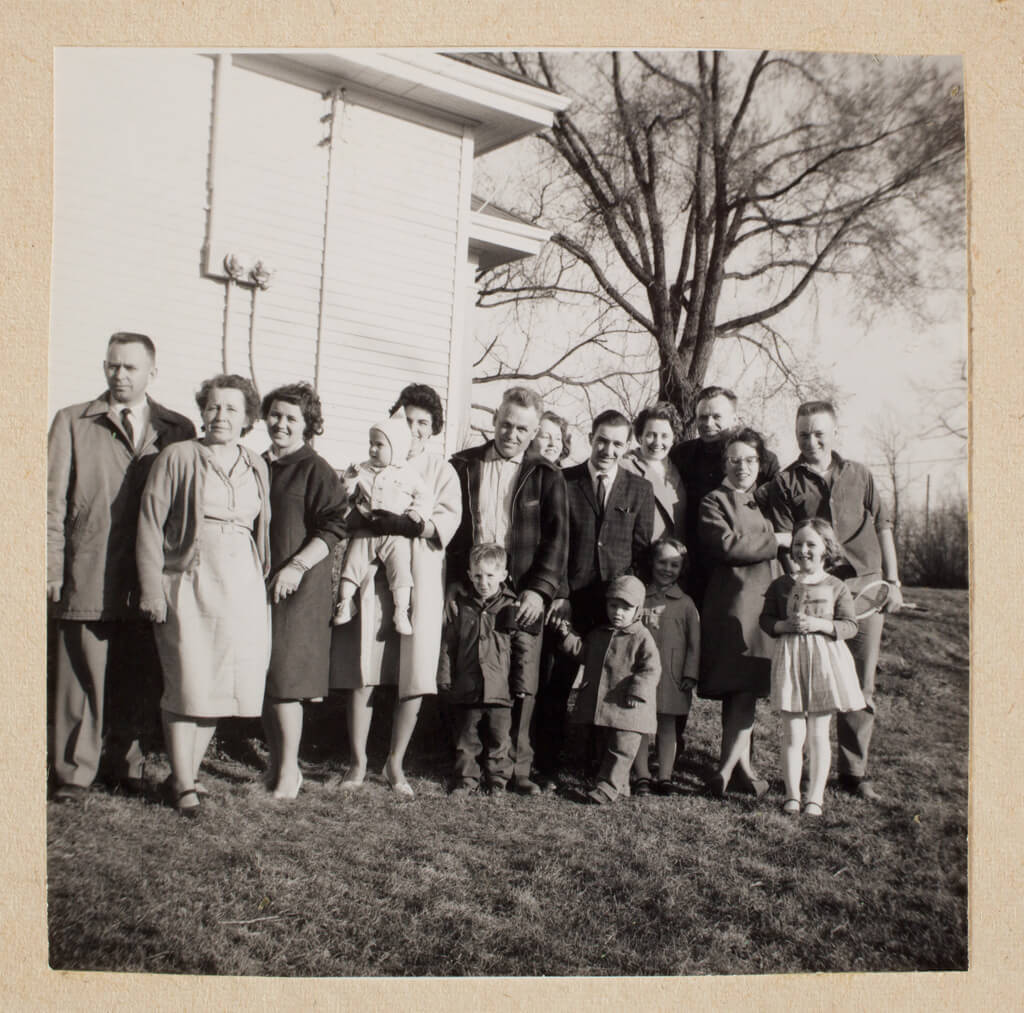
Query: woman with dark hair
x: 735, y: 664
x: 203, y: 551
x: 657, y: 429
x: 552, y: 439
x: 367, y: 653
x: 307, y: 506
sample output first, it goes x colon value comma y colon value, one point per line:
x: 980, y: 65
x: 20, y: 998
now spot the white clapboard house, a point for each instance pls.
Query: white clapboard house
x: 289, y: 215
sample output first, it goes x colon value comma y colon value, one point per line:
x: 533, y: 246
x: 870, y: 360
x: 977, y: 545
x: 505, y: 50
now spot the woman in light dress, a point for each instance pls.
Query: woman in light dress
x: 367, y: 653
x: 203, y: 554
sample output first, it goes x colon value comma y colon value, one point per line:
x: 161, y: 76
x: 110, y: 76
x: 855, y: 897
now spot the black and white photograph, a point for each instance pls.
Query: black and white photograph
x: 507, y: 513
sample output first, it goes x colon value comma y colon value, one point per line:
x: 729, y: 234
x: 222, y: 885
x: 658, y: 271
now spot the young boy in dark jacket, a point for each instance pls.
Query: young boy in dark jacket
x: 619, y: 691
x: 481, y: 670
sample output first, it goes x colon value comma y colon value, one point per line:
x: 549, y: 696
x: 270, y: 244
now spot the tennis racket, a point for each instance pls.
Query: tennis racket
x: 870, y: 599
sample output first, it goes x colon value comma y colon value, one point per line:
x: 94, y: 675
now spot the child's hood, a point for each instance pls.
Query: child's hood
x: 397, y: 432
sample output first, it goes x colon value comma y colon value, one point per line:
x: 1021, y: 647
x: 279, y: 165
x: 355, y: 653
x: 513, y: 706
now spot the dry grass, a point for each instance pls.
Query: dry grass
x: 365, y: 884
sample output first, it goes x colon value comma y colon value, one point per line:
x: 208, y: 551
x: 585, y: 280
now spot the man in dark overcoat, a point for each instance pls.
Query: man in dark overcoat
x: 99, y: 455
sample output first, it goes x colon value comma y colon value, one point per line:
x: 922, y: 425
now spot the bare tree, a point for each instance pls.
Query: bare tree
x: 949, y: 402
x: 695, y: 197
x: 888, y: 438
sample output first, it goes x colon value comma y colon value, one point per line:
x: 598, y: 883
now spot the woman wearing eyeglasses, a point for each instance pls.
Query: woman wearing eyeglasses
x: 739, y: 543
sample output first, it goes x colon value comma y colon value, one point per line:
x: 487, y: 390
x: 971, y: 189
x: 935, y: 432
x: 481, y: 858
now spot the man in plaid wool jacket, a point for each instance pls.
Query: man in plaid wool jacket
x: 514, y: 497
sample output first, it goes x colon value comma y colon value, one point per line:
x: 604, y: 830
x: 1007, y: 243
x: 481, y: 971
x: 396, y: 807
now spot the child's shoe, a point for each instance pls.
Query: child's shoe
x: 345, y: 612
x: 663, y: 787
x: 402, y: 624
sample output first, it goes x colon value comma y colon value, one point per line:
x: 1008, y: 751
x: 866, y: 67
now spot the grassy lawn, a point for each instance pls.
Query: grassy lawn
x: 367, y: 884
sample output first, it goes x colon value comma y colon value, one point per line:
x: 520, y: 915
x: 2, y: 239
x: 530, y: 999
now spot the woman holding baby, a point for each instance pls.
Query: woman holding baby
x: 367, y: 651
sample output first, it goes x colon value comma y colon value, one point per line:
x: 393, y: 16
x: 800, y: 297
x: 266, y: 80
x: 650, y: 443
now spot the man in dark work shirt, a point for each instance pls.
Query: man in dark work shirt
x: 700, y: 464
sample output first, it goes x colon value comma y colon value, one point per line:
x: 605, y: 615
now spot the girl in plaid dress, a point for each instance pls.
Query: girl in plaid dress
x: 810, y: 613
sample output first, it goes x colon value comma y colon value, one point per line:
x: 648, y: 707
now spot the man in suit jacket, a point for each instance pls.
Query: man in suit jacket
x: 515, y: 498
x: 98, y: 458
x: 702, y: 469
x: 611, y: 518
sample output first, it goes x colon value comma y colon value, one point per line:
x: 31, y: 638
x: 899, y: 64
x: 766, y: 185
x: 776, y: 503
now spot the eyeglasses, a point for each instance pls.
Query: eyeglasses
x: 750, y: 462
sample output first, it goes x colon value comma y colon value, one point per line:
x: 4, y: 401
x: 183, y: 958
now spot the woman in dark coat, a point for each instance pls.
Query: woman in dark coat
x: 736, y: 655
x: 307, y: 506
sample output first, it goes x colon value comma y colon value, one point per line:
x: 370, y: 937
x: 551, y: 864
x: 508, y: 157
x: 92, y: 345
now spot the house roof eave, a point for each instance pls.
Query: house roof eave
x: 502, y: 109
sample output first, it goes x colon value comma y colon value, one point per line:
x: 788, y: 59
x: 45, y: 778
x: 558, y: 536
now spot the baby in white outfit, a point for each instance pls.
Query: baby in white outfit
x: 382, y: 483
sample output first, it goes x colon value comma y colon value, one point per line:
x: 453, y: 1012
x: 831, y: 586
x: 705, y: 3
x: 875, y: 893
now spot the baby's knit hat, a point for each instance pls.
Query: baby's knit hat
x: 629, y: 589
x: 397, y: 432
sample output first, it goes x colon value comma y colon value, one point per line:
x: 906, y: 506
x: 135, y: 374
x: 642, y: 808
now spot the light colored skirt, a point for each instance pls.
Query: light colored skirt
x: 814, y: 674
x: 215, y: 645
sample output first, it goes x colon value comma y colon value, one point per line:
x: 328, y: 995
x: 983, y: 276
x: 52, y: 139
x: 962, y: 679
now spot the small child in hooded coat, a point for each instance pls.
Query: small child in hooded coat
x: 619, y: 691
x: 382, y: 483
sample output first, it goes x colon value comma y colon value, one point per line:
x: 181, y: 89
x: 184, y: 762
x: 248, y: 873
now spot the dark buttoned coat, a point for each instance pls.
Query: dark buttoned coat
x: 617, y: 664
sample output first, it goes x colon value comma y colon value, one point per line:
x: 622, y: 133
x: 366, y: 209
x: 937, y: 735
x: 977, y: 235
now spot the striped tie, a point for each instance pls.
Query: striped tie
x: 126, y: 419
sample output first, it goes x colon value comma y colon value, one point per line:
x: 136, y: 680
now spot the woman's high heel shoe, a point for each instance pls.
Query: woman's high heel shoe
x: 401, y: 787
x: 188, y: 811
x: 289, y: 793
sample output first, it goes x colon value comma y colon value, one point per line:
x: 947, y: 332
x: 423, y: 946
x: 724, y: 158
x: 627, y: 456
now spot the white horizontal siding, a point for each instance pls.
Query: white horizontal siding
x: 391, y: 268
x: 130, y: 153
x: 132, y: 142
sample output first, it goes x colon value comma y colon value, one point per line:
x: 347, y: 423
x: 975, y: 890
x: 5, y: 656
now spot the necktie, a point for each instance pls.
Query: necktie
x: 126, y: 419
x: 602, y: 491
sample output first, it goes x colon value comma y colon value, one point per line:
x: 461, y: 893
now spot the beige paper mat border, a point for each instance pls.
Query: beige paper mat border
x: 990, y: 35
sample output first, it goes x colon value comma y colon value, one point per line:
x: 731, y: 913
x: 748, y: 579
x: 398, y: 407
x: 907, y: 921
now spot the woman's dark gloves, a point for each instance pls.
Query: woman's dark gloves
x: 384, y: 522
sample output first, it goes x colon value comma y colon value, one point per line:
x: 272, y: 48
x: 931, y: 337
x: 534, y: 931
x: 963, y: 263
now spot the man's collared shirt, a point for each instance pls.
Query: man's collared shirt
x: 846, y: 498
x: 609, y: 481
x: 139, y: 414
x: 497, y: 482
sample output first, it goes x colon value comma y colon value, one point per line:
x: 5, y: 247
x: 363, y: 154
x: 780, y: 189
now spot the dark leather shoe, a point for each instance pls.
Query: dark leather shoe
x: 130, y: 785
x: 715, y: 786
x: 759, y: 786
x: 524, y: 786
x: 859, y: 787
x: 866, y: 791
x: 641, y: 787
x: 69, y: 793
x: 664, y: 788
